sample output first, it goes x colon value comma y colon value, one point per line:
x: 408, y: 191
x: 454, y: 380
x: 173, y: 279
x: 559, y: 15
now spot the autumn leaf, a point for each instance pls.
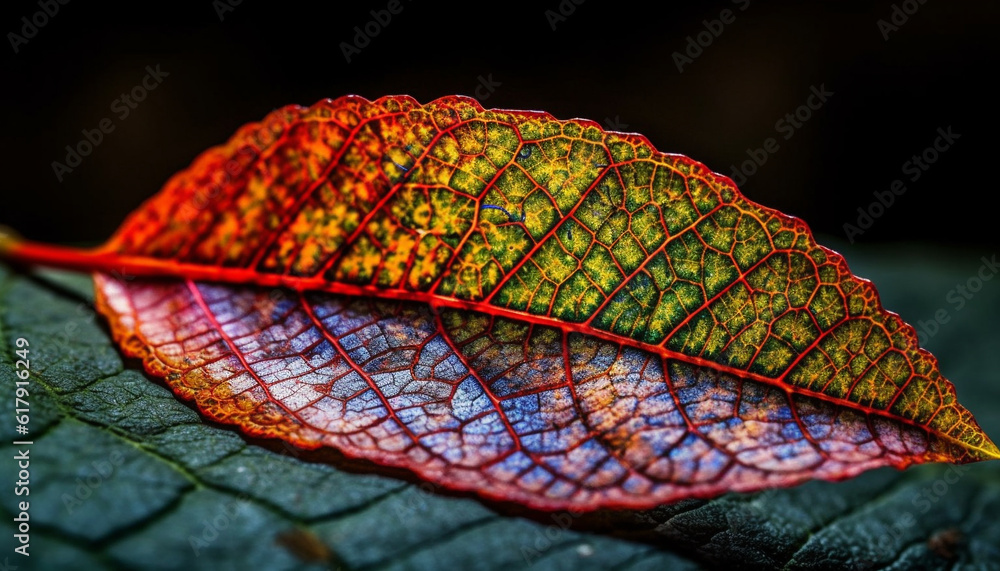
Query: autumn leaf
x: 531, y: 309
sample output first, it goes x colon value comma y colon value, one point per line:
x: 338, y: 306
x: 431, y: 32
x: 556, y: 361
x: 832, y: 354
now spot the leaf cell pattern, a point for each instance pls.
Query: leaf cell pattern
x: 529, y: 308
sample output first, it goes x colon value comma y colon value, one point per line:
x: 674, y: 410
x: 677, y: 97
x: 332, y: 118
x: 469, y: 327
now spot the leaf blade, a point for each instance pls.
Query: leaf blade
x: 474, y: 210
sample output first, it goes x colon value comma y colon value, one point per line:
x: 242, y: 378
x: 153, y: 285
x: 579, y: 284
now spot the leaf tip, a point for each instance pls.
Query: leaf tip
x: 979, y: 448
x: 989, y: 450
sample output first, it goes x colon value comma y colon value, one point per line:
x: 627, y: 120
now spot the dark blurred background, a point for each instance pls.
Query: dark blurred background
x: 609, y: 61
